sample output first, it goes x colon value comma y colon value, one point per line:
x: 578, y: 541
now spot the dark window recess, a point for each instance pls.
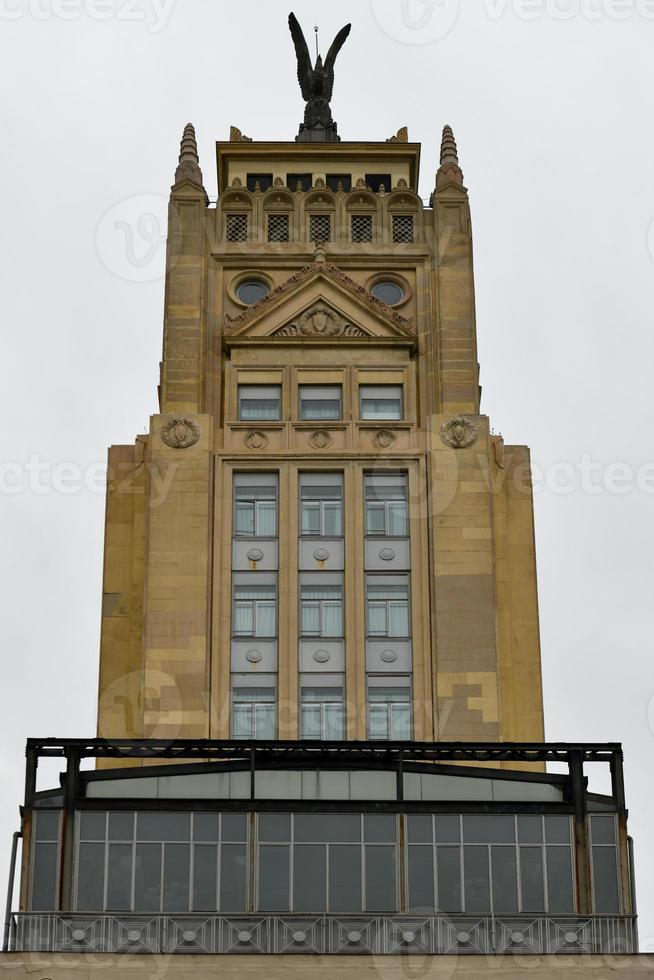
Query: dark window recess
x: 304, y: 180
x: 375, y: 182
x: 339, y: 182
x: 263, y: 180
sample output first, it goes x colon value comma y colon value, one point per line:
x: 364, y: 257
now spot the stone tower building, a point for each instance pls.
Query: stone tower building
x: 320, y: 513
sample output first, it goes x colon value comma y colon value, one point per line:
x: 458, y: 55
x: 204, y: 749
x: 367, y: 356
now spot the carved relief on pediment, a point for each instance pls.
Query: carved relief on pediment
x: 320, y: 321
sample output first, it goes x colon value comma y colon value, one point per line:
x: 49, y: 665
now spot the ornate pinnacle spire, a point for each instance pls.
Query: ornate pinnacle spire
x: 449, y: 170
x: 189, y: 162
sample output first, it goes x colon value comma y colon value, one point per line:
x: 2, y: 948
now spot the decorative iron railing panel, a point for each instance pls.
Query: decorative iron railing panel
x: 364, y: 934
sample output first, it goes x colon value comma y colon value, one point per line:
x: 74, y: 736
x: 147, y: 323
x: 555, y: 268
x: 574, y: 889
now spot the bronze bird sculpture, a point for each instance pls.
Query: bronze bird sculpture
x: 316, y: 81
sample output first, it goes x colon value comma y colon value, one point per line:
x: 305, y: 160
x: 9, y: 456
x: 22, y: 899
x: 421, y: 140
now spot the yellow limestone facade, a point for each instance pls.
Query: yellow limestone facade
x: 167, y: 648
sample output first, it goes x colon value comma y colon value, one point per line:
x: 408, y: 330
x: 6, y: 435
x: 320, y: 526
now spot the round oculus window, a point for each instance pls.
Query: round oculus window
x: 388, y: 292
x: 250, y: 291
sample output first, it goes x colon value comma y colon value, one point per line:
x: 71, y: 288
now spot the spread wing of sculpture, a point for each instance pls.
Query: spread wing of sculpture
x: 316, y: 81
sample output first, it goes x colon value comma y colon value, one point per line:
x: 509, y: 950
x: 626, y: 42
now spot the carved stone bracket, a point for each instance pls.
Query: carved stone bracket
x: 459, y: 433
x: 180, y: 432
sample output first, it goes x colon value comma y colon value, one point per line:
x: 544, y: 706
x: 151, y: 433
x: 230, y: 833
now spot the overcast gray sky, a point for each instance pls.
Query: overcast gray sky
x: 552, y: 104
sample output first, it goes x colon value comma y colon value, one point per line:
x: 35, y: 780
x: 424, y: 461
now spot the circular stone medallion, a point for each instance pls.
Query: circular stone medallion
x: 387, y: 554
x: 388, y: 656
x: 459, y: 433
x: 180, y: 432
x: 255, y: 554
x: 254, y: 656
x: 321, y: 554
x: 321, y: 656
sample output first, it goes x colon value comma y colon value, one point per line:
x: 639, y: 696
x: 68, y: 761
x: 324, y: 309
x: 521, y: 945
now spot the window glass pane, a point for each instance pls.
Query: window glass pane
x: 274, y: 826
x: 264, y: 722
x: 332, y: 618
x: 420, y: 871
x: 333, y: 721
x: 92, y: 826
x: 605, y: 881
x: 234, y: 827
x: 310, y: 513
x: 401, y: 722
x: 377, y: 619
x: 448, y: 870
x: 320, y: 402
x: 557, y: 829
x: 205, y: 878
x: 398, y: 619
x: 505, y: 880
x: 163, y: 826
x: 242, y: 721
x: 121, y: 826
x: 44, y: 877
x: 420, y: 829
x: 375, y: 519
x: 345, y: 878
x: 309, y: 878
x: 265, y: 619
x: 379, y: 827
x: 244, y: 518
x: 530, y: 828
x: 47, y: 825
x: 259, y: 402
x: 266, y: 518
x: 333, y: 519
x: 378, y: 721
x: 559, y: 880
x: 328, y: 827
x: 310, y: 616
x: 177, y: 859
x: 476, y: 879
x: 233, y: 878
x: 531, y: 879
x: 119, y: 878
x: 448, y: 828
x: 488, y: 828
x: 273, y: 878
x: 147, y: 879
x: 90, y: 878
x: 380, y: 879
x: 205, y: 826
x: 310, y: 718
x: 603, y: 830
x: 381, y: 402
x: 397, y: 519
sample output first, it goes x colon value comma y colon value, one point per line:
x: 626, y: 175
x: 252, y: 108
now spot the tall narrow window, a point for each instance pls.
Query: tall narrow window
x: 381, y: 402
x: 386, y: 506
x: 255, y: 610
x: 321, y: 712
x: 387, y: 599
x: 278, y: 228
x: 253, y: 712
x: 320, y: 403
x: 320, y: 227
x: 321, y: 610
x: 255, y: 505
x: 403, y: 233
x: 236, y: 227
x: 259, y: 403
x: 321, y: 505
x: 389, y: 710
x: 361, y: 227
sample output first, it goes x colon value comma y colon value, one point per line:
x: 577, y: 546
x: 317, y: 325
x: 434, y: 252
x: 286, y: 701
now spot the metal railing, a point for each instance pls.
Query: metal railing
x: 326, y: 934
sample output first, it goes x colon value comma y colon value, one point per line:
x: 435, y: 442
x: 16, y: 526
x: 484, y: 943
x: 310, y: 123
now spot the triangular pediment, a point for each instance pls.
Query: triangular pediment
x: 319, y: 303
